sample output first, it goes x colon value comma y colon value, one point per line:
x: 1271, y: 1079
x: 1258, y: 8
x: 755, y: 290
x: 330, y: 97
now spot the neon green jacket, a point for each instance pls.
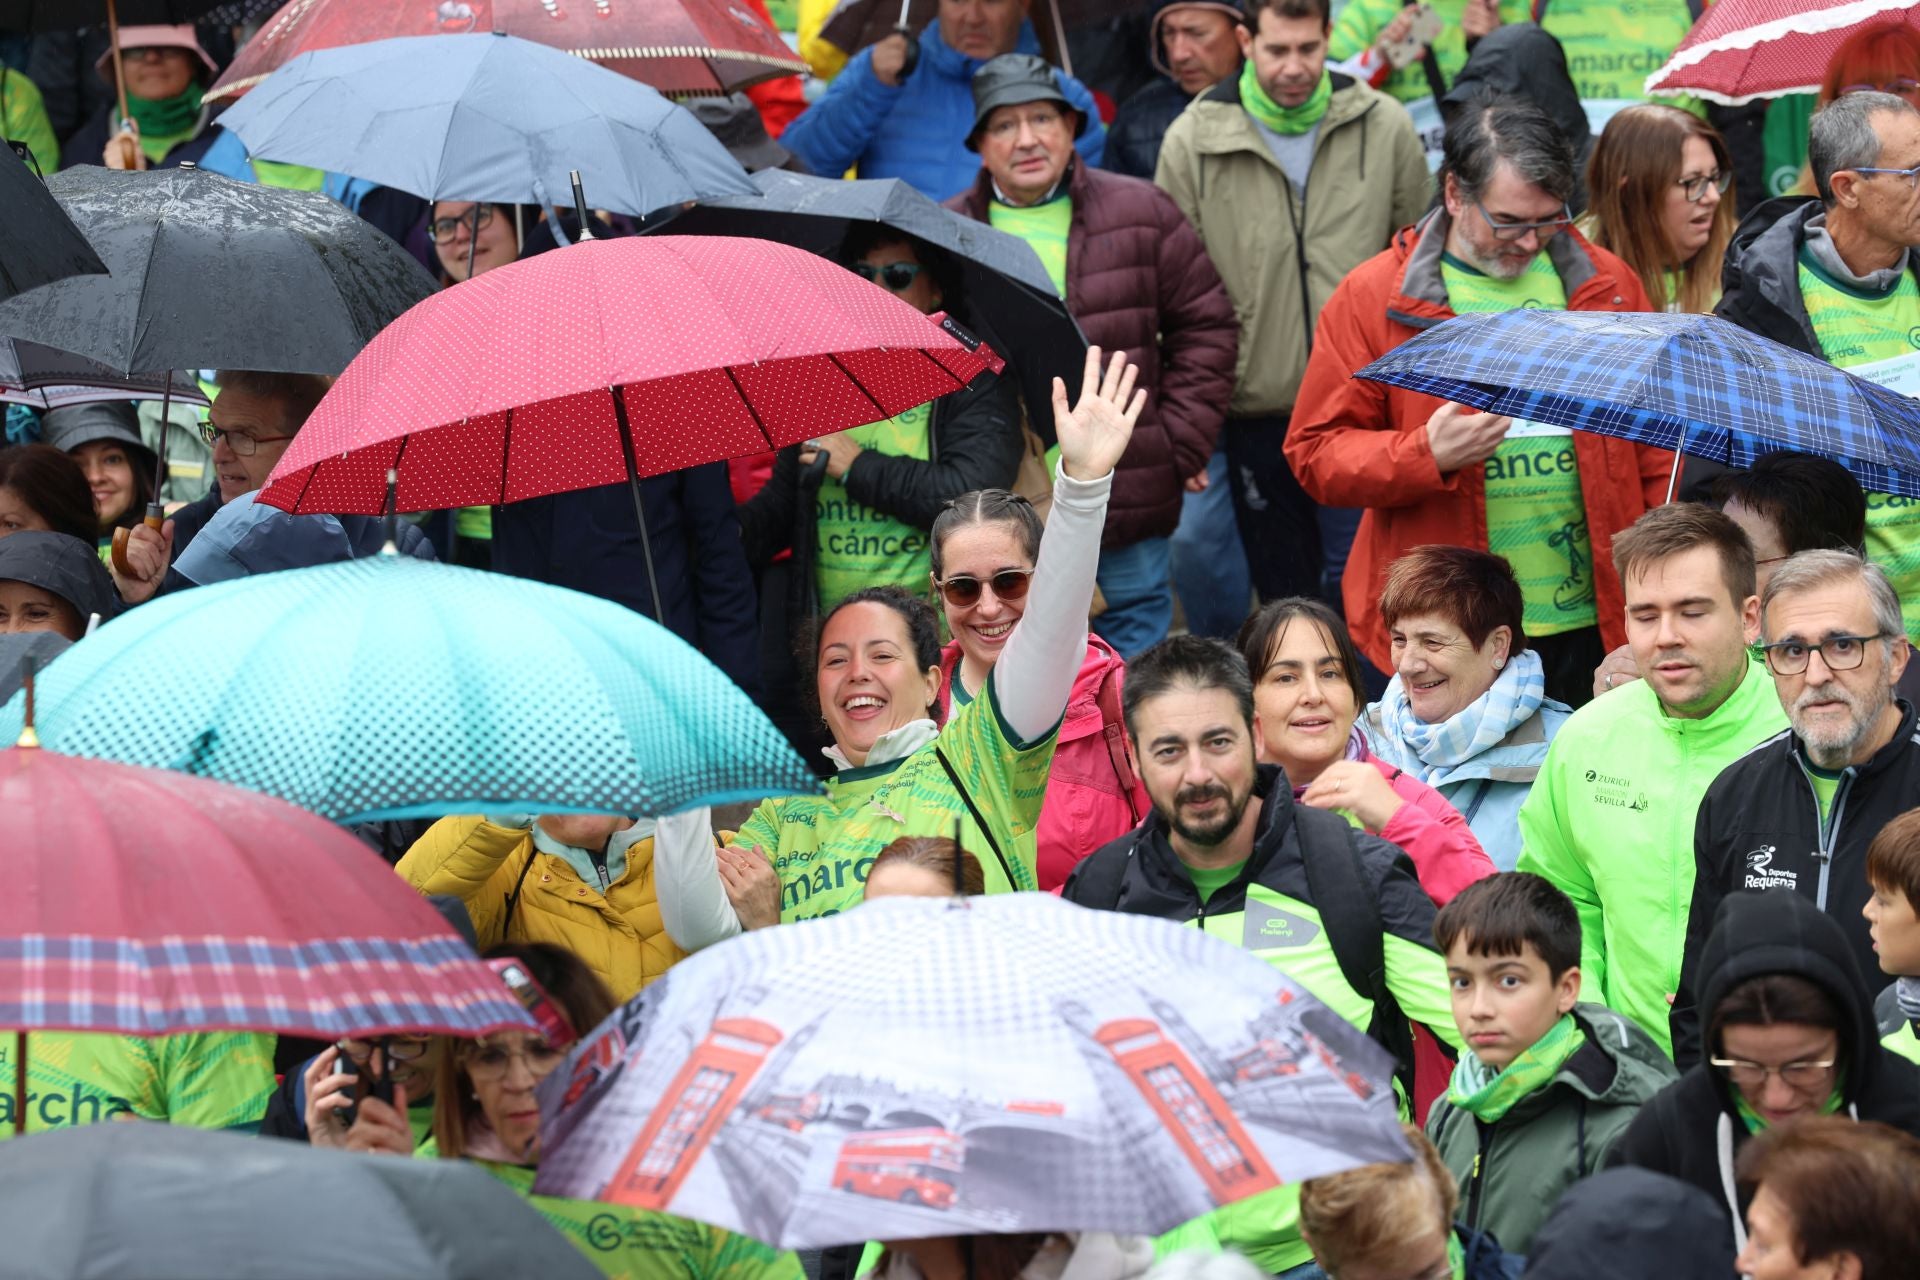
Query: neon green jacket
x: 1610, y: 821
x: 24, y: 113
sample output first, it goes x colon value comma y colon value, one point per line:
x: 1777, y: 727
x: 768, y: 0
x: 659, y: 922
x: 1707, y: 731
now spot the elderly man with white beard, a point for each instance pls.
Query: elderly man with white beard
x: 1798, y: 811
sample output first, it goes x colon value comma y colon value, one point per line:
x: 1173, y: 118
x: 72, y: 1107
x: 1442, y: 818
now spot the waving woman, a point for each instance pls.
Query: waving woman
x: 877, y: 675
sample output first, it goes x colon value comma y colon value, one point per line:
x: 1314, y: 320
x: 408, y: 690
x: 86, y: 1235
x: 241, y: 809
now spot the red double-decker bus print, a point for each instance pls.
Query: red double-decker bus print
x: 1207, y: 1131
x: 906, y: 1166
x: 692, y: 1109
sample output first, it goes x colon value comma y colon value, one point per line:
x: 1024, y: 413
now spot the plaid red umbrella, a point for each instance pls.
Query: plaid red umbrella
x: 677, y: 46
x: 145, y: 902
x: 1740, y: 50
x: 611, y: 360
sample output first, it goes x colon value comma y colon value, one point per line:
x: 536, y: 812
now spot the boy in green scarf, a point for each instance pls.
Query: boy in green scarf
x: 1547, y: 1085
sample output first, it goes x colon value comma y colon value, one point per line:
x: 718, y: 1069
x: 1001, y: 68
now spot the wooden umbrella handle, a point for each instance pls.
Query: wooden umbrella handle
x: 156, y: 518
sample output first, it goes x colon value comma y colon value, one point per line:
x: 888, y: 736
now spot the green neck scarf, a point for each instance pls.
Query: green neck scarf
x: 166, y: 117
x: 1287, y: 120
x: 1487, y: 1095
x: 1456, y: 1256
x: 1755, y: 1122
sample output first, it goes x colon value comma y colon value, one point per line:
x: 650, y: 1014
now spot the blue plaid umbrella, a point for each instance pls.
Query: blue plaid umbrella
x: 1687, y: 382
x: 391, y: 687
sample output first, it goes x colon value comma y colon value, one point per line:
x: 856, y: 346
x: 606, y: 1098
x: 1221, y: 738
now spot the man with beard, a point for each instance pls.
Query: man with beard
x: 1610, y: 818
x: 1798, y: 811
x: 1229, y: 851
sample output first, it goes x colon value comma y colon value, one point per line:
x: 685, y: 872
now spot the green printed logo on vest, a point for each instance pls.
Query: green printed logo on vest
x: 1265, y: 926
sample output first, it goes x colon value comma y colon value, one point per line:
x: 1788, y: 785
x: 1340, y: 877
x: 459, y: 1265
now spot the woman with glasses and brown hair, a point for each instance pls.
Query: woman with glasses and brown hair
x: 485, y: 1110
x: 1660, y: 195
x: 1790, y: 1033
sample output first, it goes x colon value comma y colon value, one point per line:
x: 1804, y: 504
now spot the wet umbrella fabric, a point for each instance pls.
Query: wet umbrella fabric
x: 209, y: 908
x: 158, y: 1202
x: 69, y: 15
x: 1740, y: 50
x: 595, y: 364
x: 677, y: 46
x: 38, y: 242
x: 1671, y: 380
x: 47, y: 378
x: 1009, y: 298
x: 939, y: 1067
x: 484, y: 117
x: 213, y: 273
x: 391, y: 688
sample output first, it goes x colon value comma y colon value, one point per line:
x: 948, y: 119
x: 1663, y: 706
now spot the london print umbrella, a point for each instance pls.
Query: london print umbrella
x: 389, y: 688
x: 934, y: 1067
x: 1691, y: 383
x: 1740, y: 50
x: 484, y: 117
x: 161, y: 1201
x: 677, y: 46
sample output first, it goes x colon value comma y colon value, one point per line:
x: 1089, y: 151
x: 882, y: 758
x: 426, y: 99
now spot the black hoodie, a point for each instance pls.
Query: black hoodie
x: 1519, y: 60
x: 1691, y: 1129
x: 1628, y: 1224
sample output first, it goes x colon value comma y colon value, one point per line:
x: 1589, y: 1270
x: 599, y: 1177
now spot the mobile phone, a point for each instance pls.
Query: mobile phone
x: 374, y: 1082
x: 1426, y: 28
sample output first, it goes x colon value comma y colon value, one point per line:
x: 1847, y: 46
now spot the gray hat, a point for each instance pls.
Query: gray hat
x: 71, y: 426
x: 1010, y: 80
x: 62, y: 564
x: 736, y: 122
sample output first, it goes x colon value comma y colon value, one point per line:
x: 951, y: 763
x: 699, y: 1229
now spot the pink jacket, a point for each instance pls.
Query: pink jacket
x: 1445, y: 854
x: 1089, y: 801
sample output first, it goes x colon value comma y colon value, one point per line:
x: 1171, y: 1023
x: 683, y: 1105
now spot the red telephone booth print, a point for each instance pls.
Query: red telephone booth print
x: 907, y: 1166
x: 1222, y: 1152
x: 693, y: 1107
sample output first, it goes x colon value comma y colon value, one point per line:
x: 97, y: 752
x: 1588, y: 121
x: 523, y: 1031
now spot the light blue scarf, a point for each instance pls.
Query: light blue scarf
x: 1428, y: 750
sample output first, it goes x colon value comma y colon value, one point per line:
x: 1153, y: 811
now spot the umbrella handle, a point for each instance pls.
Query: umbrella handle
x: 156, y: 517
x: 913, y: 49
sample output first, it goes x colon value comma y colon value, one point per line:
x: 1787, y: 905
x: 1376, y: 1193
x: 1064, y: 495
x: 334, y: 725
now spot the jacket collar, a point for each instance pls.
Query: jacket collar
x: 1223, y: 132
x: 1732, y: 718
x: 1420, y: 301
x: 1904, y: 739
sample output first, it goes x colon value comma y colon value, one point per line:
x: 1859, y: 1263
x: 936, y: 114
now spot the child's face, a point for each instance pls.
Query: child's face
x: 1896, y: 932
x: 1502, y: 1004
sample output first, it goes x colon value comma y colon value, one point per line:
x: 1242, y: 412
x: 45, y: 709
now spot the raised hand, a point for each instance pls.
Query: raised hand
x: 1094, y: 432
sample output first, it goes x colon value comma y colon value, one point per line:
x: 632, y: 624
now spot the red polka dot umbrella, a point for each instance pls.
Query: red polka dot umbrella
x: 612, y: 360
x: 1746, y: 49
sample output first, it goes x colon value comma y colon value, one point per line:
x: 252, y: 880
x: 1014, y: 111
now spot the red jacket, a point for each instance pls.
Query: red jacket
x: 1354, y: 443
x: 1140, y: 281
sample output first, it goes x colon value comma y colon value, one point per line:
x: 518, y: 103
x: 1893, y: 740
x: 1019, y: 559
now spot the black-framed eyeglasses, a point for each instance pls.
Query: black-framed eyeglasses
x: 397, y: 1048
x: 897, y: 276
x: 1795, y: 1075
x: 242, y: 444
x: 1911, y: 175
x: 1507, y: 232
x: 1899, y: 87
x: 473, y: 219
x: 1008, y: 584
x: 1839, y: 653
x: 1696, y: 188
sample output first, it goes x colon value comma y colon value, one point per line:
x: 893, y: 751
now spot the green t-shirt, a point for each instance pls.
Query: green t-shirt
x: 1824, y: 786
x: 638, y: 1244
x: 475, y: 523
x: 823, y: 846
x: 1876, y: 336
x: 289, y: 177
x: 214, y: 1080
x: 1783, y: 141
x: 1211, y: 880
x: 856, y: 546
x: 1536, y: 516
x: 1045, y: 227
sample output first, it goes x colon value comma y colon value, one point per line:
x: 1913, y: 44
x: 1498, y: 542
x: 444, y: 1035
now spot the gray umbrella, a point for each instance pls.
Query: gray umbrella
x: 38, y: 242
x: 213, y: 273
x: 1008, y: 295
x: 160, y: 1202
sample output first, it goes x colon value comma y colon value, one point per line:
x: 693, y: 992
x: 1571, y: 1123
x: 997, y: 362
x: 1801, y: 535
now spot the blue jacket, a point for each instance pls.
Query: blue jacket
x: 915, y: 131
x: 1133, y: 144
x: 589, y: 541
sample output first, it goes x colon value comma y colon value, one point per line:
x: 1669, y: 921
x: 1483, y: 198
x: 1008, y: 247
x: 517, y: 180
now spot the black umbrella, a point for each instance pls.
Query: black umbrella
x: 47, y: 378
x: 213, y: 273
x: 1010, y: 298
x: 38, y: 242
x: 160, y: 1201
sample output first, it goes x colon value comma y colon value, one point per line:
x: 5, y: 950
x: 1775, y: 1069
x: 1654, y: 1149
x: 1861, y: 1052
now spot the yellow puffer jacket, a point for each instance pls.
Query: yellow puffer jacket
x: 619, y: 936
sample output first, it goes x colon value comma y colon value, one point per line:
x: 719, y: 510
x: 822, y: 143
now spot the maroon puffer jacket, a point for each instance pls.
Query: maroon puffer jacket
x: 1139, y: 280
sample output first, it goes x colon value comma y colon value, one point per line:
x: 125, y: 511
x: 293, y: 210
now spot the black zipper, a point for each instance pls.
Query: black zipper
x: 600, y: 869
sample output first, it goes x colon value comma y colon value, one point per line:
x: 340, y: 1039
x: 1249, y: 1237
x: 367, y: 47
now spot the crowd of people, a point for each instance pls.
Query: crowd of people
x: 1585, y: 780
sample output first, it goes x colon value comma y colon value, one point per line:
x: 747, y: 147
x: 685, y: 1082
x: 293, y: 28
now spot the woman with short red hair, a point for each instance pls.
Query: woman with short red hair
x: 1834, y: 1200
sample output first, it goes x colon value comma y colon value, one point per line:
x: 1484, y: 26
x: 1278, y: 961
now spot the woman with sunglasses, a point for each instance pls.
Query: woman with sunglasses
x: 485, y: 1110
x: 1660, y: 194
x: 877, y: 678
x: 985, y: 545
x: 1790, y: 1033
